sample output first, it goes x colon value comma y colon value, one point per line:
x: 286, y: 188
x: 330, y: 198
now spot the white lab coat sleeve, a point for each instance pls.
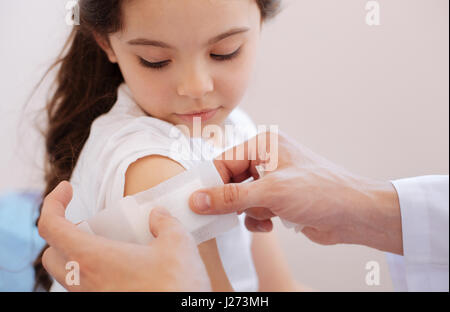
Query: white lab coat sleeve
x: 424, y: 205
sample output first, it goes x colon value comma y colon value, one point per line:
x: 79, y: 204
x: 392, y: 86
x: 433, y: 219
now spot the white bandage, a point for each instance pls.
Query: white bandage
x: 129, y: 220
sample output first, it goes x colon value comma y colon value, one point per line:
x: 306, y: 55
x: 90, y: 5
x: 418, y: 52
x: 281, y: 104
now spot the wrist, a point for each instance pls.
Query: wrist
x: 379, y: 217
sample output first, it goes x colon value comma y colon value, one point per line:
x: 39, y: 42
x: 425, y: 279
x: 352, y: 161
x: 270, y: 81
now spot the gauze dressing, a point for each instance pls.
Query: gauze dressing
x: 128, y: 221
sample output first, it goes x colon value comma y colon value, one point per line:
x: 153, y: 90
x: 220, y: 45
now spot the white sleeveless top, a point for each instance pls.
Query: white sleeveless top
x: 125, y: 134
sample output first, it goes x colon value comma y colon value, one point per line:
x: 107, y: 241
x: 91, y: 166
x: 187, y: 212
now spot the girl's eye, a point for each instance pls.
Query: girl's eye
x: 158, y: 65
x: 226, y: 57
x: 161, y: 65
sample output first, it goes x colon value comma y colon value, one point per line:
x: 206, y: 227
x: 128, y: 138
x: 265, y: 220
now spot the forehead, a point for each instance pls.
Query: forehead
x: 193, y: 21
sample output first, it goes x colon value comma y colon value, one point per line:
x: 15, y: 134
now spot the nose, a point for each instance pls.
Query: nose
x: 195, y: 83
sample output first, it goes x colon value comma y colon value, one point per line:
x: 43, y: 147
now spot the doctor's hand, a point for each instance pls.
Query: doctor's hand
x: 171, y: 262
x: 334, y: 205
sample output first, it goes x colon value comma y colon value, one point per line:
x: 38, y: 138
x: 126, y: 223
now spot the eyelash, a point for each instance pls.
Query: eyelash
x: 227, y: 57
x: 161, y: 65
x: 157, y: 66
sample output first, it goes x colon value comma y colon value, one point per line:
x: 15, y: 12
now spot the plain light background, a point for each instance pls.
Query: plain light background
x: 373, y: 99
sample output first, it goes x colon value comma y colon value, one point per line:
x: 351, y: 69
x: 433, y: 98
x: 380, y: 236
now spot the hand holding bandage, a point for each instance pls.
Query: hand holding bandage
x: 331, y: 204
x: 135, y: 267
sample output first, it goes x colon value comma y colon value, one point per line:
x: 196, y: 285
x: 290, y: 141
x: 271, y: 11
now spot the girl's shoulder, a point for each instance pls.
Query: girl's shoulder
x: 125, y: 134
x: 116, y: 140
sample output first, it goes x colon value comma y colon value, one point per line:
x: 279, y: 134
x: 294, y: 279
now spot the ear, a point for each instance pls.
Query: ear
x: 106, y: 47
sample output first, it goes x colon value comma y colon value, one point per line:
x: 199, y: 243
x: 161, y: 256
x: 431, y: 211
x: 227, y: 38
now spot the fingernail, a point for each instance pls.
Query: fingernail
x: 263, y: 227
x: 202, y: 201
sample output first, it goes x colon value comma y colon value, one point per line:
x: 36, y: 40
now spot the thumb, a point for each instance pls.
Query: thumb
x: 163, y: 223
x: 55, y: 203
x: 228, y: 198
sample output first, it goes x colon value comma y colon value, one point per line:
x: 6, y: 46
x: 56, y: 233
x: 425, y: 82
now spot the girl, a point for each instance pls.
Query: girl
x: 131, y: 71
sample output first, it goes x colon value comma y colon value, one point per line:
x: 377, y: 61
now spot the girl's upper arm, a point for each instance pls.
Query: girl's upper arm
x: 148, y: 172
x: 152, y: 170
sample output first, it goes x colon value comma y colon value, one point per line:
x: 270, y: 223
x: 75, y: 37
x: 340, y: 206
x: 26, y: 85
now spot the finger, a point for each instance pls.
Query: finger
x: 242, y: 177
x: 57, y: 201
x: 164, y: 226
x: 55, y: 264
x: 56, y: 229
x: 254, y: 225
x: 52, y: 221
x: 259, y: 213
x: 238, y: 163
x: 229, y: 198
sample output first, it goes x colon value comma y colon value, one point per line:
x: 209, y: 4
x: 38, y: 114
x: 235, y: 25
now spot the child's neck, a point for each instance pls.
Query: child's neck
x: 218, y: 141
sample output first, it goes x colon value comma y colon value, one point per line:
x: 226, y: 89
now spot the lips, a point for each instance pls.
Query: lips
x: 203, y: 114
x: 199, y: 112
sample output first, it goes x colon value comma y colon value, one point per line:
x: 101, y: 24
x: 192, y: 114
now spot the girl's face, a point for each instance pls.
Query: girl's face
x: 180, y: 57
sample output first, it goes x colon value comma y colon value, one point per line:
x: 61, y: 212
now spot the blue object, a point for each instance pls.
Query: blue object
x: 20, y: 242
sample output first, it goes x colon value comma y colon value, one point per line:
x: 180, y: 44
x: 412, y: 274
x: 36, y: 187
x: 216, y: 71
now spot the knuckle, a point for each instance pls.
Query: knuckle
x: 42, y: 227
x: 232, y: 194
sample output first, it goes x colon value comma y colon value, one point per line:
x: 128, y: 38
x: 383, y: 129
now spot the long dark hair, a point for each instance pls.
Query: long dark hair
x: 86, y: 87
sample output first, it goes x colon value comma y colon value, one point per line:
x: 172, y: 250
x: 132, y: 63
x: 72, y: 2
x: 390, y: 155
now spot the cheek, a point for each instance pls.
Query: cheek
x: 152, y: 94
x: 232, y: 83
x: 149, y: 90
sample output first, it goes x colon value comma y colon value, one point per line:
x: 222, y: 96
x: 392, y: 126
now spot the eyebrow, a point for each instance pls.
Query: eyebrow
x: 156, y: 43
